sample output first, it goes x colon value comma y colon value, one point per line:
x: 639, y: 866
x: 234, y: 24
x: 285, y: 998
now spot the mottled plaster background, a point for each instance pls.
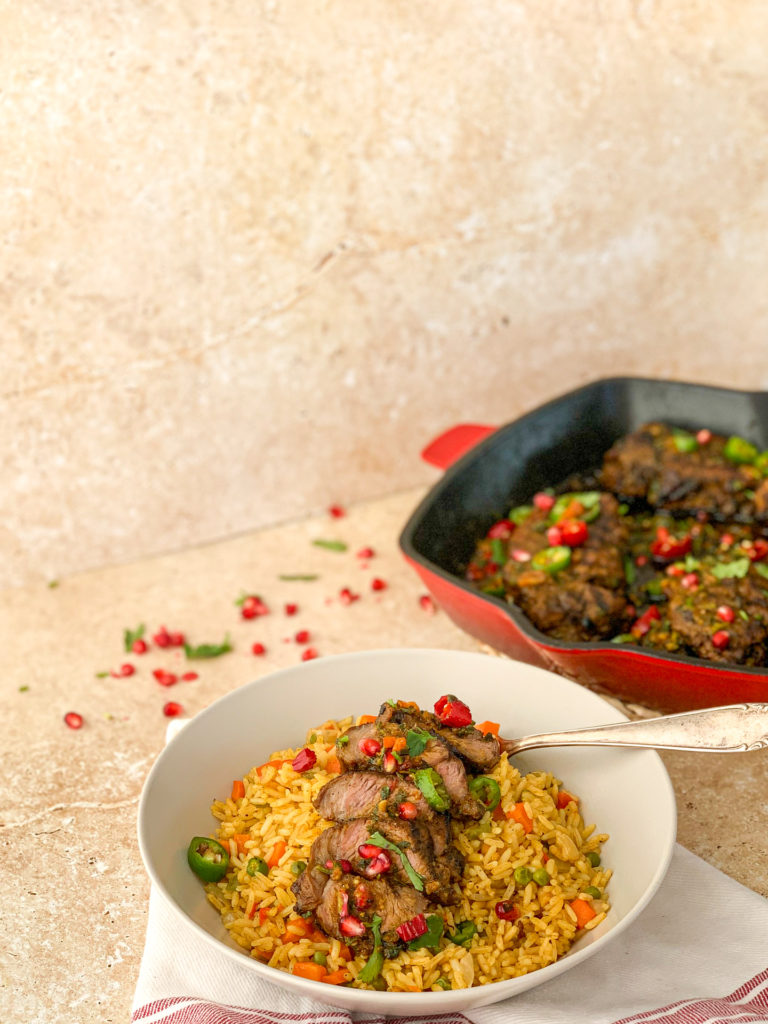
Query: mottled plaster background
x: 254, y: 254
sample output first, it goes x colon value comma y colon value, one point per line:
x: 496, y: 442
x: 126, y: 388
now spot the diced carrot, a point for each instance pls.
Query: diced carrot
x: 498, y: 813
x: 584, y: 912
x: 310, y: 970
x: 345, y: 952
x: 298, y: 928
x: 271, y: 764
x: 491, y: 727
x: 252, y: 912
x: 241, y: 838
x: 263, y: 913
x: 238, y: 789
x: 333, y: 765
x: 317, y: 936
x: 408, y: 704
x: 365, y: 719
x: 339, y: 977
x: 277, y: 853
x: 564, y: 798
x: 520, y: 815
x: 394, y: 743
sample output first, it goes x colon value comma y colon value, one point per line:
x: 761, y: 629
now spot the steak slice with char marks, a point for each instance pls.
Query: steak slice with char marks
x: 395, y: 904
x: 479, y: 751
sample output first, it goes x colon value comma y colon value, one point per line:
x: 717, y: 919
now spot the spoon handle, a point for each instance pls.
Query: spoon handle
x: 736, y: 727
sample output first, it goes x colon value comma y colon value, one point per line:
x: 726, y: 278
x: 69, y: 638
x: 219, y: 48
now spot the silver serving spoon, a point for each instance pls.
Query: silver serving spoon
x: 736, y: 727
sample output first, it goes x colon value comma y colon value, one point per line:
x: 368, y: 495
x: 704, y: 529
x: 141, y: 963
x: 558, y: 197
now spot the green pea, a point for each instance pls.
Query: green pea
x: 594, y: 859
x: 298, y: 866
x: 523, y: 876
x: 443, y: 983
x: 541, y: 876
x: 592, y: 891
x: 256, y: 866
x: 320, y: 958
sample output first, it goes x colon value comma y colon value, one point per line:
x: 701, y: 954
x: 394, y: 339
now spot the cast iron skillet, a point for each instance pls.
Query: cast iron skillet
x: 494, y: 469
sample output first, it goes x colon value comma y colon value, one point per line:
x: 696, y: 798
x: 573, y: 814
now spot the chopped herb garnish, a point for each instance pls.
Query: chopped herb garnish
x: 208, y: 650
x: 377, y: 839
x: 298, y: 576
x: 498, y: 551
x: 342, y: 741
x: 762, y: 570
x: 743, y: 615
x: 630, y: 573
x: 444, y: 984
x: 102, y: 675
x: 330, y: 545
x: 731, y: 570
x: 465, y: 930
x: 375, y: 962
x: 520, y: 513
x: 23, y: 689
x: 130, y: 636
x: 52, y: 584
x: 431, y: 937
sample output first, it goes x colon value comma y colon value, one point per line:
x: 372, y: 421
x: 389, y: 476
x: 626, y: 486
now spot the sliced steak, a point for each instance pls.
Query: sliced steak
x: 393, y: 903
x: 478, y: 751
x: 335, y: 844
x: 450, y: 769
x: 692, y: 617
x: 349, y: 754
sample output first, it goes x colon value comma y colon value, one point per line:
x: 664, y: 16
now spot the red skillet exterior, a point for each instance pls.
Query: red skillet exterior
x: 656, y: 680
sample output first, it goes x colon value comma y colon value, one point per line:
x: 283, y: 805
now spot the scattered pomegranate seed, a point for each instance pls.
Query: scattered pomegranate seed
x: 521, y: 555
x: 188, y: 677
x: 641, y: 560
x: 428, y: 605
x: 291, y: 609
x: 377, y: 584
x: 390, y: 762
x: 543, y: 502
x: 631, y: 610
x: 73, y: 720
x: 501, y: 530
x: 302, y: 637
x: 351, y: 926
x: 258, y: 649
x: 690, y: 581
x: 162, y: 638
x: 345, y: 866
x: 758, y: 549
x: 507, y: 911
x: 125, y: 670
x: 172, y: 709
x: 721, y: 639
x: 381, y: 862
x: 554, y: 536
x: 726, y: 540
x: 366, y: 553
x: 164, y: 678
x: 369, y: 746
x: 704, y: 436
x: 252, y: 607
x: 177, y: 639
x: 725, y: 613
x: 346, y: 596
x: 337, y: 512
x: 675, y: 570
x: 139, y: 646
x: 309, y: 654
x: 407, y: 810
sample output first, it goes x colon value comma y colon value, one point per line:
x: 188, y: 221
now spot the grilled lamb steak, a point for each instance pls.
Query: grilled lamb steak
x: 478, y: 751
x: 690, y: 616
x: 394, y: 904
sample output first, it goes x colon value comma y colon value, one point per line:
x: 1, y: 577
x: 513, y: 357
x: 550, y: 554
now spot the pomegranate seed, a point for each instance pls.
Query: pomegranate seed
x: 345, y: 866
x: 366, y: 553
x: 346, y: 596
x: 309, y: 654
x: 390, y: 762
x: 188, y: 677
x: 675, y: 570
x: 164, y: 678
x: 379, y: 865
x: 631, y: 611
x: 291, y: 609
x: 704, y: 436
x: 641, y: 560
x: 543, y: 502
x: 177, y: 639
x: 725, y: 613
x: 521, y: 555
x: 302, y: 637
x: 252, y: 607
x: 162, y: 638
x: 428, y: 605
x: 377, y: 584
x: 726, y: 540
x: 554, y: 536
x: 369, y: 746
x: 721, y: 639
x: 690, y: 581
x: 304, y: 760
x: 337, y: 511
x: 407, y: 810
x: 501, y: 530
x: 172, y: 709
x: 352, y: 926
x: 73, y: 720
x: 506, y: 911
x: 258, y: 649
x: 329, y: 864
x: 368, y: 850
x: 758, y: 550
x: 125, y: 670
x: 362, y: 895
x: 139, y: 646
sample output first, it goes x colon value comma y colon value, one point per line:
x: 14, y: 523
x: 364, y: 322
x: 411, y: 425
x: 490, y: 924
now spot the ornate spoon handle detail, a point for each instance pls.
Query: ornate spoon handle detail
x: 736, y: 727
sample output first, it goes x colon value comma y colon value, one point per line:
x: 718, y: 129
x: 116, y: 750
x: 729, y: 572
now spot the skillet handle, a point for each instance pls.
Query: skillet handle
x: 449, y: 446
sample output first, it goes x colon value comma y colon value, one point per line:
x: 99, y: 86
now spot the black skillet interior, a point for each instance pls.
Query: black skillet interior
x: 569, y: 434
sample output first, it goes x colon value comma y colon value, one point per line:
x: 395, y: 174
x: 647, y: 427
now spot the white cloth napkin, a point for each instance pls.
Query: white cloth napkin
x: 702, y: 943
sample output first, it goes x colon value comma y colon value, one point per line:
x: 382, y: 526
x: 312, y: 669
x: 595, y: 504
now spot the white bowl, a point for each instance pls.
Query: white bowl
x: 626, y: 792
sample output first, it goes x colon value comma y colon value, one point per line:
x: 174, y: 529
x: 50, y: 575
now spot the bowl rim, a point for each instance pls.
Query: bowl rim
x: 402, y: 1002
x: 517, y: 617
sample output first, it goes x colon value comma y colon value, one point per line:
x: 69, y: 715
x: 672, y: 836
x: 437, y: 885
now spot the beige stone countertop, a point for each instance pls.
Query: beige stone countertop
x: 75, y: 894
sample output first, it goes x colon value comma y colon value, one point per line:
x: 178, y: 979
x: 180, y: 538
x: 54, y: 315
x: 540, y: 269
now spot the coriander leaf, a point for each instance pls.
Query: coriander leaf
x: 102, y: 675
x: 377, y: 839
x: 52, y: 584
x: 465, y: 930
x: 630, y: 573
x: 23, y: 689
x: 303, y: 576
x: 416, y: 741
x: 375, y: 962
x: 762, y: 570
x: 731, y: 570
x: 444, y: 984
x: 131, y: 635
x: 431, y: 937
x: 330, y: 545
x: 208, y: 650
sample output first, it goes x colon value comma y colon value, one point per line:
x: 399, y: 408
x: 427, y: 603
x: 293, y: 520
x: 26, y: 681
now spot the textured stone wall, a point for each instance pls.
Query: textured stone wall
x: 254, y: 254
